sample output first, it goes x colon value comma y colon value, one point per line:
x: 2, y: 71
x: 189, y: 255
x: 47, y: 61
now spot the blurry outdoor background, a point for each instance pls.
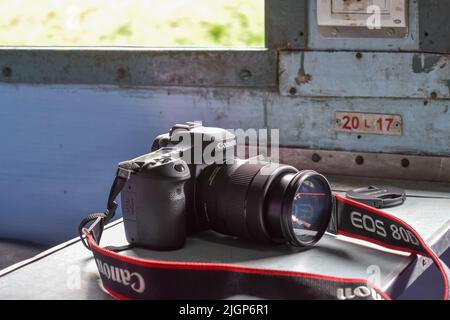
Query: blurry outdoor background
x: 132, y: 22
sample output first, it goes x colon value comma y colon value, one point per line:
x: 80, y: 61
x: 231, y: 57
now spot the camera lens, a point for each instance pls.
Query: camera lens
x: 264, y: 202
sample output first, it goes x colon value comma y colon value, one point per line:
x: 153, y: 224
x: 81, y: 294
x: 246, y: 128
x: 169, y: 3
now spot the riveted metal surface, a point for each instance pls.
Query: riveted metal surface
x: 365, y: 74
x: 139, y: 66
x: 364, y: 164
x: 61, y: 144
x: 394, y: 166
x: 310, y: 123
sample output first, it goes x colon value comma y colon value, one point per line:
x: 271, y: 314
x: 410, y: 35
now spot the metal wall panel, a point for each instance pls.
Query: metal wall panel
x: 61, y: 144
x: 377, y: 165
x: 365, y: 74
x: 286, y: 24
x: 434, y: 25
x: 310, y: 123
x: 139, y: 67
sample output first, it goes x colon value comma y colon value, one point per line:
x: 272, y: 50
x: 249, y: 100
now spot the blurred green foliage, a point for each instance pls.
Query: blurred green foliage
x: 132, y: 22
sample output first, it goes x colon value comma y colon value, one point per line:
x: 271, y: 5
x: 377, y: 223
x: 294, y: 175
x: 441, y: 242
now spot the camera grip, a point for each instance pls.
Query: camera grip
x: 154, y: 205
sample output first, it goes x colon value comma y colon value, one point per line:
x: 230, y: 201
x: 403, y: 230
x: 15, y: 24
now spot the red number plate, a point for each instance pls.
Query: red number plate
x: 370, y: 123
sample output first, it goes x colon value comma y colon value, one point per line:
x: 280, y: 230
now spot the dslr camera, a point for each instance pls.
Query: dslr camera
x: 192, y: 181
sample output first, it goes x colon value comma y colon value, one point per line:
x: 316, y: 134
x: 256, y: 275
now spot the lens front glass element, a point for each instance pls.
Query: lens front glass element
x: 311, y: 209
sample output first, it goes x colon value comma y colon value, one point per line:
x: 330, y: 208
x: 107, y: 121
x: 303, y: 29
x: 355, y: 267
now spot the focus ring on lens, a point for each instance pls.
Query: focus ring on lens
x: 233, y: 203
x: 256, y: 197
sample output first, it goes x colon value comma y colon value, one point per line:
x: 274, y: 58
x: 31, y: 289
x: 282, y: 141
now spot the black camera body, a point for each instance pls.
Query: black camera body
x: 158, y: 201
x: 192, y: 181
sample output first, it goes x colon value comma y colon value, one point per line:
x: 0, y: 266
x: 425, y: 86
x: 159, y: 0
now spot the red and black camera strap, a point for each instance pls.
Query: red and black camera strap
x: 134, y: 278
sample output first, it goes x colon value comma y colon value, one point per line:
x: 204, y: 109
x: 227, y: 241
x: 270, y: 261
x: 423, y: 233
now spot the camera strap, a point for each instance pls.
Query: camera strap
x: 127, y: 277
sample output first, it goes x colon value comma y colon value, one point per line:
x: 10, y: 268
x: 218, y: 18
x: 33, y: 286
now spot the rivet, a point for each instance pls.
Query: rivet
x: 433, y: 95
x: 359, y: 160
x: 121, y: 73
x: 316, y: 158
x: 245, y: 75
x: 293, y: 91
x: 405, y: 163
x: 6, y: 72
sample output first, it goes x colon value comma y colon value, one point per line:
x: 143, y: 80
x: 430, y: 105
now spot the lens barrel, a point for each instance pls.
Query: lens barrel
x: 265, y: 202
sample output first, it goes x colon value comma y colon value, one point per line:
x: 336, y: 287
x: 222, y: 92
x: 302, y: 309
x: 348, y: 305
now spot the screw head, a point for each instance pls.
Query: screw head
x: 316, y: 158
x: 6, y: 72
x: 390, y: 32
x: 292, y: 91
x: 245, y: 75
x: 121, y: 73
x: 359, y: 160
x: 405, y: 163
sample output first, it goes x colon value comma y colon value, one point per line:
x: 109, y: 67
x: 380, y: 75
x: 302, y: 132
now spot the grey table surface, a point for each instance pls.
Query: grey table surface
x: 68, y: 271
